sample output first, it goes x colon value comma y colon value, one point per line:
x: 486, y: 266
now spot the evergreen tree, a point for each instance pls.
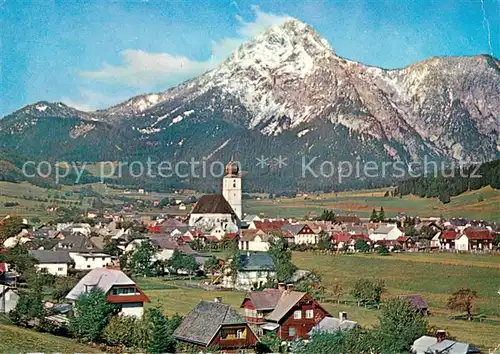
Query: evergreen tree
x: 374, y: 216
x: 381, y: 214
x: 280, y: 252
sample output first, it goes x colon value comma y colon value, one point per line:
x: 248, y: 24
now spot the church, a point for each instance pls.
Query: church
x: 216, y: 214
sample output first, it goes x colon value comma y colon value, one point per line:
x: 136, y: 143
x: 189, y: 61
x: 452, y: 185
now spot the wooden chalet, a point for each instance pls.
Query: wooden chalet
x: 288, y: 313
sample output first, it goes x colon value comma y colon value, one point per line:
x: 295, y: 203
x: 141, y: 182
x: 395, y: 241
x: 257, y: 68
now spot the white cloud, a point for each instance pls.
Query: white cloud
x: 141, y: 69
x: 90, y: 100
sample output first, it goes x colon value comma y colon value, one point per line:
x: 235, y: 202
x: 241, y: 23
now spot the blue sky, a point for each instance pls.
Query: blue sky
x: 92, y: 54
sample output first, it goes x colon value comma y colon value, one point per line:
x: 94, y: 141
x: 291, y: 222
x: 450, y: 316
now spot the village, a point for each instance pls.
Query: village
x: 103, y: 256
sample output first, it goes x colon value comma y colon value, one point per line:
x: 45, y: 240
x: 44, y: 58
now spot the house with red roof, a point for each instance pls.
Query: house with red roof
x: 348, y: 240
x: 118, y: 287
x: 468, y: 239
x: 306, y: 235
x: 155, y: 229
x: 289, y: 314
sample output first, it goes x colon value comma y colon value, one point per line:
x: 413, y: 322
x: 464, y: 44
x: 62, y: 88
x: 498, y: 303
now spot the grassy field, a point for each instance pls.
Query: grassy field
x: 357, y: 202
x: 433, y: 276
x: 362, y: 202
x: 20, y: 340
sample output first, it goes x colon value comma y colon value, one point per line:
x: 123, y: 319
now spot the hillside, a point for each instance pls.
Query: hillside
x: 284, y: 93
x: 20, y: 340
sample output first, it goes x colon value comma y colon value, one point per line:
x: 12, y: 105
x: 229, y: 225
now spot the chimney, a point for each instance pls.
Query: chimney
x: 289, y: 287
x: 281, y: 287
x: 342, y: 316
x: 440, y: 335
x: 218, y: 299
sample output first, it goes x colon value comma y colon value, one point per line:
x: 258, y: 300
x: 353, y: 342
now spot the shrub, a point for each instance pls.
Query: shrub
x: 121, y: 330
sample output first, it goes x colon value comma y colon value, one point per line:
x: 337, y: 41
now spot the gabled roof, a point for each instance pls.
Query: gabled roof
x: 416, y: 300
x: 169, y: 243
x: 428, y: 344
x: 203, y: 322
x: 256, y: 261
x: 293, y: 228
x: 384, y: 229
x: 478, y: 233
x: 250, y: 234
x: 332, y: 324
x: 212, y: 204
x: 51, y: 257
x: 77, y: 242
x: 230, y: 236
x: 266, y: 299
x: 448, y: 234
x: 269, y: 225
x: 286, y: 302
x: 347, y: 219
x: 103, y: 278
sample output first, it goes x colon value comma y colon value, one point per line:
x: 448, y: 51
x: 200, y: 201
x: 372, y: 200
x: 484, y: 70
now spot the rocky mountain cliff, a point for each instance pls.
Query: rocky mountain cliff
x: 287, y: 93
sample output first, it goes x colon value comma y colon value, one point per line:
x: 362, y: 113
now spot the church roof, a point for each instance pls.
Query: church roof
x: 212, y: 204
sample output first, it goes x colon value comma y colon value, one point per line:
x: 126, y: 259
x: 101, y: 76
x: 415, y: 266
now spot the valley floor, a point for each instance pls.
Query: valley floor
x: 483, y: 204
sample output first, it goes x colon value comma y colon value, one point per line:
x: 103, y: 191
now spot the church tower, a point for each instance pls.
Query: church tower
x: 231, y: 187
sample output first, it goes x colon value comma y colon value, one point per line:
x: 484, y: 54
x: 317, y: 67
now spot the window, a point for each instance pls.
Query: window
x: 291, y: 332
x: 123, y: 291
x: 60, y: 269
x: 88, y: 265
x: 297, y: 315
x: 309, y: 313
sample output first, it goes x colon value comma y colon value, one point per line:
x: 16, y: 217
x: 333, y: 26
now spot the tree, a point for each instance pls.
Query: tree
x: 11, y: 227
x: 280, y: 252
x: 112, y: 249
x: 141, y: 259
x: 62, y: 286
x: 269, y: 343
x: 361, y: 245
x: 212, y: 265
x: 374, y: 216
x: 367, y: 291
x: 381, y: 214
x: 29, y: 306
x: 463, y: 300
x: 383, y: 251
x: 20, y: 260
x: 444, y: 196
x: 160, y: 330
x: 35, y: 220
x: 355, y: 340
x: 327, y: 215
x: 121, y: 330
x: 336, y: 291
x: 399, y: 326
x: 324, y: 241
x: 93, y: 312
x: 182, y: 261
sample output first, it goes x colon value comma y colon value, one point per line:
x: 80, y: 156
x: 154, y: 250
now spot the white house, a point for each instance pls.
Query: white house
x: 387, y: 232
x: 306, y: 236
x: 8, y: 299
x: 118, y: 287
x: 90, y: 260
x: 52, y: 262
x: 256, y: 271
x: 254, y: 240
x: 462, y: 243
